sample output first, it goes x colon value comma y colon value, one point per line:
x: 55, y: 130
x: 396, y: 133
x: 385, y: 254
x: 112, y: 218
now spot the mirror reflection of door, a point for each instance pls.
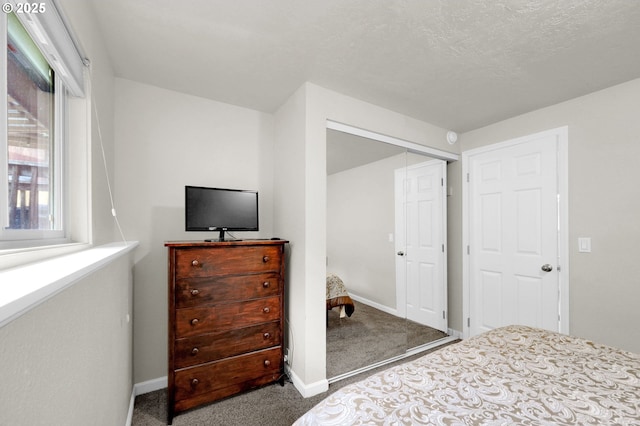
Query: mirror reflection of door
x: 420, y: 219
x: 362, y: 253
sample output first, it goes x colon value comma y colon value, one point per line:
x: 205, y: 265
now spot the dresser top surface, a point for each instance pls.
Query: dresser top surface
x: 201, y: 243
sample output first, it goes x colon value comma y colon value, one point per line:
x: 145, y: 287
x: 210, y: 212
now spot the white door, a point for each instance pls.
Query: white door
x: 513, y: 235
x: 420, y: 243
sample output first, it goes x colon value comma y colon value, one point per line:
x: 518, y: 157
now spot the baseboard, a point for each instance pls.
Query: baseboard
x: 373, y: 304
x: 307, y: 391
x: 142, y: 388
x: 150, y: 385
x: 454, y: 333
x: 451, y: 332
x: 132, y: 403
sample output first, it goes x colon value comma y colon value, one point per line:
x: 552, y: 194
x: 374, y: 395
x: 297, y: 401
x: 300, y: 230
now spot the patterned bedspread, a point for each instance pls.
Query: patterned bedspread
x: 337, y: 295
x: 511, y: 375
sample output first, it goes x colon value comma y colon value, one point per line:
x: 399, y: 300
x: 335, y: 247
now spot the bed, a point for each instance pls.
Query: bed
x: 510, y: 375
x: 338, y: 297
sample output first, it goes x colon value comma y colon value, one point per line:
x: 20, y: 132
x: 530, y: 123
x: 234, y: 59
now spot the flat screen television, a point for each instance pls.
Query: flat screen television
x: 220, y: 210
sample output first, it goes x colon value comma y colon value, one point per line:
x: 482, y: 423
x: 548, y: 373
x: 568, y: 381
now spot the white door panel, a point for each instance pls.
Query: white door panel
x: 513, y: 231
x: 421, y: 234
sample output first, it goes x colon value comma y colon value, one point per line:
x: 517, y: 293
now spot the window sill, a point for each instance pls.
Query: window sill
x: 25, y: 287
x: 18, y: 256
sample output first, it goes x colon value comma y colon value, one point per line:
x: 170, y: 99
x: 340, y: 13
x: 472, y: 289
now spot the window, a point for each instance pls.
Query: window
x: 43, y: 69
x: 33, y: 181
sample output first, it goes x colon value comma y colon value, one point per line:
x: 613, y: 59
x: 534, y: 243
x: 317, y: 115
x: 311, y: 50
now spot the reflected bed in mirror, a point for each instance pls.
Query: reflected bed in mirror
x: 338, y: 297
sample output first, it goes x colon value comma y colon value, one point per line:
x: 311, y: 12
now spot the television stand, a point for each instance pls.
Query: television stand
x: 220, y: 238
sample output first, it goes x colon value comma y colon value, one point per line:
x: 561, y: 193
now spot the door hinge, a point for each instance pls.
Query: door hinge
x: 443, y: 248
x: 443, y: 315
x: 468, y: 250
x: 441, y: 181
x: 469, y: 322
x: 467, y: 177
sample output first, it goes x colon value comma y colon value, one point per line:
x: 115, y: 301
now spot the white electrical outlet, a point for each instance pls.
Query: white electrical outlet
x: 286, y: 356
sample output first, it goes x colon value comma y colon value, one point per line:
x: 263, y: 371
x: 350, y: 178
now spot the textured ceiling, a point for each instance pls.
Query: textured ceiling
x: 457, y: 64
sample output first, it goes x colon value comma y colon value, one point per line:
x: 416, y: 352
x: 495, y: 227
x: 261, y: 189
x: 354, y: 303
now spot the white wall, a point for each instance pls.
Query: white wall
x: 604, y: 204
x: 293, y: 221
x: 165, y: 140
x: 360, y: 217
x: 68, y: 361
x: 303, y: 144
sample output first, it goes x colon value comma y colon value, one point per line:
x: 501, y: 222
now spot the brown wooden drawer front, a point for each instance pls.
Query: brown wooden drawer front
x: 190, y: 382
x: 210, y: 347
x: 227, y: 391
x: 207, y: 291
x: 212, y: 319
x: 206, y: 262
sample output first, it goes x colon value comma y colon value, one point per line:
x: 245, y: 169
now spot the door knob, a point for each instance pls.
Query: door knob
x: 400, y: 253
x: 547, y: 268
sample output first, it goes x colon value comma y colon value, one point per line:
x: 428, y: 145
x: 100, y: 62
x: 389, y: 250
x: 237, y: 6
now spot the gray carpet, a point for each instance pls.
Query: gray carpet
x: 379, y: 335
x: 370, y: 336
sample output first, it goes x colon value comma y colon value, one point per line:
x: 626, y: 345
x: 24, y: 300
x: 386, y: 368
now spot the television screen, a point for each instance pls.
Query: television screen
x: 218, y: 209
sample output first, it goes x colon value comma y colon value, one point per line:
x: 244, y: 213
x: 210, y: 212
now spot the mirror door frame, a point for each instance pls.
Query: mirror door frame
x: 410, y: 146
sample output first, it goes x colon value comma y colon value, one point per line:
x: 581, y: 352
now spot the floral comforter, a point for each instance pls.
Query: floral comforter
x: 510, y: 375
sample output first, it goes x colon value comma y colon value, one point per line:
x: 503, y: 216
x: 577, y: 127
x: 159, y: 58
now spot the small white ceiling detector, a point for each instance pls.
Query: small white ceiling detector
x: 452, y: 137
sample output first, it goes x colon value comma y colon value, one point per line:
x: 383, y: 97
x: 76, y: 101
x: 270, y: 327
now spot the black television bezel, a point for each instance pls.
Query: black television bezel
x: 220, y: 229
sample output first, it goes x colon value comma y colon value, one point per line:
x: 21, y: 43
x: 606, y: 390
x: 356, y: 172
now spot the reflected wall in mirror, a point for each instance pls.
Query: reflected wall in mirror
x: 362, y: 253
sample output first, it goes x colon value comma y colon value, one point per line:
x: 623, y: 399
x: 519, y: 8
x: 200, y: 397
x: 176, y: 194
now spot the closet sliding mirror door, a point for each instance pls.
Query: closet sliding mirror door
x: 371, y: 226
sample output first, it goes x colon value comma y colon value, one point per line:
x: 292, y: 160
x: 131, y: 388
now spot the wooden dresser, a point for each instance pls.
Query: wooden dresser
x: 226, y: 319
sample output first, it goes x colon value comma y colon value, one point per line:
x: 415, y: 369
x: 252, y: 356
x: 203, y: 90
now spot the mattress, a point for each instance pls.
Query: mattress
x: 510, y: 375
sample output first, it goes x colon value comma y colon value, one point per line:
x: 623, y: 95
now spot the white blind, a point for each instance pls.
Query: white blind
x: 48, y: 31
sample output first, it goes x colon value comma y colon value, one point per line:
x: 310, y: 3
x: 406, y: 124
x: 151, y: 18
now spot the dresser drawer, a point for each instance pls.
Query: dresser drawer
x: 210, y: 347
x: 213, y: 290
x: 206, y: 262
x: 207, y: 378
x: 201, y: 320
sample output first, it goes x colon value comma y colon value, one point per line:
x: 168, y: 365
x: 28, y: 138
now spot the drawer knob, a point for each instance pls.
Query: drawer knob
x: 195, y: 292
x: 195, y: 382
x: 265, y: 284
x: 267, y: 363
x: 195, y: 263
x: 195, y: 351
x: 195, y: 321
x: 267, y: 335
x: 265, y: 259
x: 266, y: 310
